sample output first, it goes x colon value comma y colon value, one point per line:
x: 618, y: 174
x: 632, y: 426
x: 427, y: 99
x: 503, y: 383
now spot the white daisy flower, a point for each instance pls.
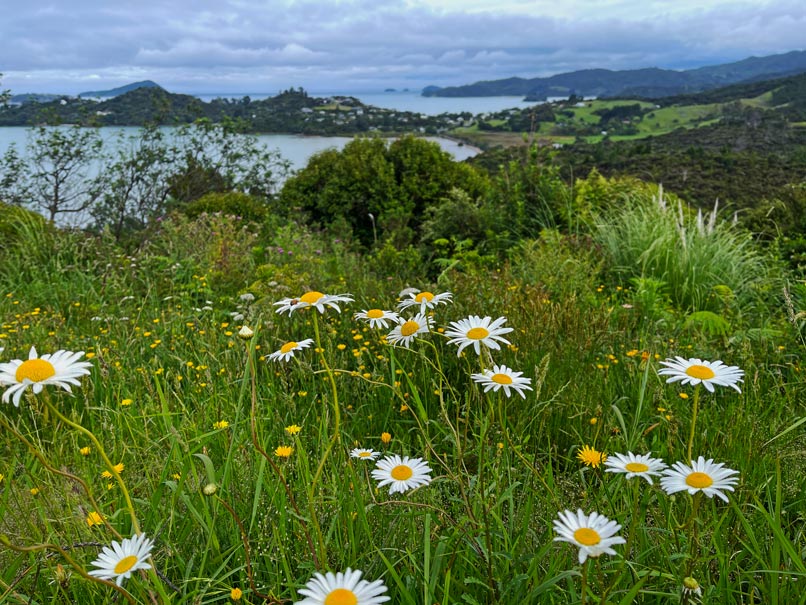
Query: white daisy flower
x: 117, y: 562
x: 424, y: 300
x: 594, y: 534
x: 695, y: 371
x: 342, y: 588
x: 378, y: 318
x: 477, y: 331
x: 364, y: 454
x: 61, y: 368
x: 312, y: 299
x: 702, y: 476
x: 401, y: 474
x: 635, y: 465
x: 287, y: 351
x: 408, y: 329
x: 502, y: 377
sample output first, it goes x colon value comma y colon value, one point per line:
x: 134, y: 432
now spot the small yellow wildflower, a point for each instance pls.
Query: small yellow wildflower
x: 591, y: 457
x: 85, y: 451
x: 386, y: 438
x: 118, y: 468
x: 235, y: 594
x: 176, y: 476
x: 341, y: 346
x: 594, y: 420
x: 94, y: 518
x: 404, y: 408
x: 283, y: 451
x: 293, y: 429
x: 34, y: 491
x: 125, y: 402
x: 632, y: 353
x: 683, y: 395
x: 221, y: 424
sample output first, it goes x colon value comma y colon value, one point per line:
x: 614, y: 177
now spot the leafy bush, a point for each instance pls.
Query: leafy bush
x: 233, y: 203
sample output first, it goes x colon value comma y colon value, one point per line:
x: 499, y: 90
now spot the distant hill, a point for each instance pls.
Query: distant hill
x: 113, y: 92
x: 33, y: 97
x: 648, y: 83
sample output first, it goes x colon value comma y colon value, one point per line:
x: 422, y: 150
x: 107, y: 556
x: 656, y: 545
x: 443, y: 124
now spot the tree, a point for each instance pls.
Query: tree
x: 135, y: 185
x: 379, y: 191
x: 214, y: 158
x: 61, y: 176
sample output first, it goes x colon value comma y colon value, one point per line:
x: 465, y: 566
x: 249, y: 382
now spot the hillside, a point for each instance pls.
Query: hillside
x: 648, y: 82
x: 113, y: 92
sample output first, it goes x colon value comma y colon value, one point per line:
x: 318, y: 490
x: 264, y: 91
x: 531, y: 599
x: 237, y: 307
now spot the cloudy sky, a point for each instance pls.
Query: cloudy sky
x: 262, y: 46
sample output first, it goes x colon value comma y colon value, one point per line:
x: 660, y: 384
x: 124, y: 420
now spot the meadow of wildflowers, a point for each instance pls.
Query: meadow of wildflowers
x: 322, y: 433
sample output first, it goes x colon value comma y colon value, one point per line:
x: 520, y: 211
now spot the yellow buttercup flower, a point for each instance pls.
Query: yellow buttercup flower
x: 591, y: 457
x: 94, y: 518
x: 293, y: 429
x: 283, y: 451
x: 235, y: 594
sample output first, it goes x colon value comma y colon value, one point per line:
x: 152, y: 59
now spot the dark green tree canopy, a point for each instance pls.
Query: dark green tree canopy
x: 379, y: 190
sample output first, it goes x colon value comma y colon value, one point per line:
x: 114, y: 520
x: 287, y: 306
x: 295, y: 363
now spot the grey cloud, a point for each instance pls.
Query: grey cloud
x: 241, y: 44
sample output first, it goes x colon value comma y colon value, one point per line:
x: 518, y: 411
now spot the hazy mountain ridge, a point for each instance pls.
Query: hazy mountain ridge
x: 649, y: 82
x: 113, y: 92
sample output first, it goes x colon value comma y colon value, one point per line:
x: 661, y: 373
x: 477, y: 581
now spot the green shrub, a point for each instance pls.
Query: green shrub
x: 233, y: 203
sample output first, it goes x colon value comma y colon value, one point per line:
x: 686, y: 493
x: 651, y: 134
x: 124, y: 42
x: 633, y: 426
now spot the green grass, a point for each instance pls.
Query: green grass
x: 158, y: 330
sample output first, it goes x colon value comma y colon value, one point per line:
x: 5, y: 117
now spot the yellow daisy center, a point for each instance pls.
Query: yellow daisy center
x: 374, y: 313
x: 125, y: 564
x: 35, y: 370
x: 501, y: 378
x: 424, y: 297
x: 477, y: 333
x: 401, y: 472
x: 364, y: 454
x: 587, y: 536
x: 636, y: 467
x: 699, y: 480
x: 288, y: 347
x: 341, y: 596
x: 701, y: 372
x: 409, y: 328
x: 311, y: 297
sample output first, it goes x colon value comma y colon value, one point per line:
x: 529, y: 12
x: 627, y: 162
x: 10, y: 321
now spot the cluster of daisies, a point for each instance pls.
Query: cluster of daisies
x: 595, y: 534
x: 473, y: 331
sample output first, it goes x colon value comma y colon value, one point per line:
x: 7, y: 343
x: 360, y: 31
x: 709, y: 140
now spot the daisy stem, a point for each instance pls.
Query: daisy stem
x: 585, y: 566
x: 102, y: 452
x: 694, y: 548
x: 633, y: 521
x: 694, y: 408
x: 336, y: 436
